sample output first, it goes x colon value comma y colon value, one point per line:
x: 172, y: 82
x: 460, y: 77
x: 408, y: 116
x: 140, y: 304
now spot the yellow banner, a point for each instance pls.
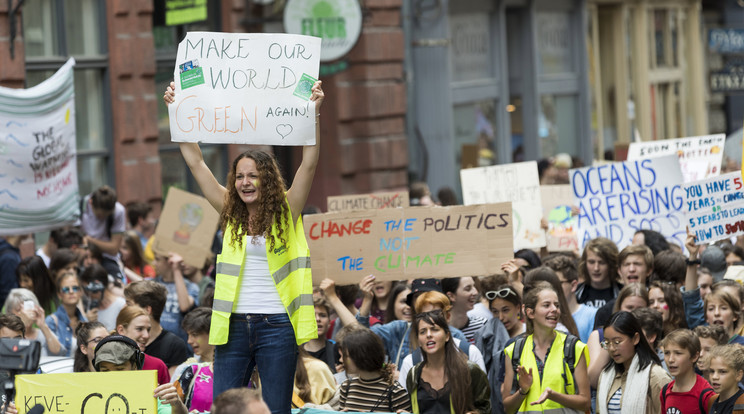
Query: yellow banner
x: 122, y: 392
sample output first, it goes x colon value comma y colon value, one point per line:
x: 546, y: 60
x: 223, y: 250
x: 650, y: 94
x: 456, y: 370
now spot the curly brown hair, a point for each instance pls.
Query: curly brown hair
x: 273, y: 208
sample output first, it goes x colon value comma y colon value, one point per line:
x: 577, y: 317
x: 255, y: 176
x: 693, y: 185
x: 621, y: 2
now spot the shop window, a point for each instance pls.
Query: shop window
x: 475, y: 134
x: 557, y: 125
x: 54, y: 30
x: 664, y: 40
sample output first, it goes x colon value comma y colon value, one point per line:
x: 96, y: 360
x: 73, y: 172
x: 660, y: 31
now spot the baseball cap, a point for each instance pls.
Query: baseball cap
x: 421, y: 286
x: 116, y: 349
x: 714, y: 259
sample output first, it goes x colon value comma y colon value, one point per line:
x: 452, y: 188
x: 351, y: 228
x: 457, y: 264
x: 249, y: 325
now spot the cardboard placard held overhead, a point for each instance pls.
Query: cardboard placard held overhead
x: 121, y: 392
x: 714, y: 208
x: 413, y: 242
x: 245, y: 88
x: 616, y: 200
x: 699, y: 157
x: 186, y: 226
x: 374, y: 201
x: 557, y: 202
x: 517, y: 183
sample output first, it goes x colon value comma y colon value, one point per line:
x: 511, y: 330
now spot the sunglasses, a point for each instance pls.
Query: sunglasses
x: 70, y: 289
x: 503, y: 293
x: 429, y: 314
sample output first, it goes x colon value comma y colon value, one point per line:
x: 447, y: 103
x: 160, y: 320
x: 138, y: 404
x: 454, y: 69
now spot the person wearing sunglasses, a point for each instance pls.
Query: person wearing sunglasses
x: 632, y: 382
x: 506, y: 306
x: 88, y: 335
x: 66, y: 318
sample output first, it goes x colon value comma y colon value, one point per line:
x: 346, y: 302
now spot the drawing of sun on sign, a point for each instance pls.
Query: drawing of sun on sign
x: 190, y: 215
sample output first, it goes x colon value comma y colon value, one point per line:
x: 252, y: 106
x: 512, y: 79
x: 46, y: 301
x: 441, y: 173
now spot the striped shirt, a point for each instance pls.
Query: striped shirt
x: 614, y: 406
x: 475, y: 323
x: 373, y: 396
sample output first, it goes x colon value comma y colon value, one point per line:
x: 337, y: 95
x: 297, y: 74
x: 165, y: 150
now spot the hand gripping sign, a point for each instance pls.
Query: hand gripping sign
x: 245, y: 88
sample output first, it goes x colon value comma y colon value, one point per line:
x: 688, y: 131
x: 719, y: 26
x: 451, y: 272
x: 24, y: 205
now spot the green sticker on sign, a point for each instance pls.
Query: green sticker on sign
x: 304, y: 87
x: 191, y: 74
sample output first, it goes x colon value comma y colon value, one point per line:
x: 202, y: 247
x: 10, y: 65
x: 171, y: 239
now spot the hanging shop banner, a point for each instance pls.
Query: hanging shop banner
x: 714, y: 208
x: 699, y: 157
x: 616, y: 200
x: 245, y: 88
x: 372, y: 201
x: 337, y: 22
x: 406, y: 243
x: 726, y: 40
x: 557, y: 210
x: 517, y: 183
x: 185, y: 11
x: 731, y: 79
x: 186, y: 226
x: 38, y: 166
x: 88, y: 392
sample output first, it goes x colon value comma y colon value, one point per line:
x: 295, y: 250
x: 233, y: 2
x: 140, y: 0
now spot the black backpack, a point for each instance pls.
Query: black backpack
x: 569, y: 354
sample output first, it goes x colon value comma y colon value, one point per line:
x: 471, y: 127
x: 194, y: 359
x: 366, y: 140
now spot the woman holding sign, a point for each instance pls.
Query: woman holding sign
x: 263, y: 303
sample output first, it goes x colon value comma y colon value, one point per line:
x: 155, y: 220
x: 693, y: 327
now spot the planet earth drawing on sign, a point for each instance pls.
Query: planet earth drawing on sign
x: 190, y: 215
x: 305, y: 87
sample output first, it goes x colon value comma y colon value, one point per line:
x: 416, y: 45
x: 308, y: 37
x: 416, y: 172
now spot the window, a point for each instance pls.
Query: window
x: 53, y: 31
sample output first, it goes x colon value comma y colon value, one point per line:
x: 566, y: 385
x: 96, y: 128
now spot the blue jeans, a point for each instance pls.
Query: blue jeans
x: 263, y: 341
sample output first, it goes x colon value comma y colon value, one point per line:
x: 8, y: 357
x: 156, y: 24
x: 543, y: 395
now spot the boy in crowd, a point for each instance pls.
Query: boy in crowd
x: 103, y: 221
x: 152, y: 296
x: 141, y: 220
x: 197, y: 276
x: 182, y: 293
x: 322, y: 348
x: 598, y: 270
x: 688, y: 393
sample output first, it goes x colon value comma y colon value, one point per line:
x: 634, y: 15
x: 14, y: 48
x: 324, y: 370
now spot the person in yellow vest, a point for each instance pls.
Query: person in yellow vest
x: 263, y: 300
x: 546, y: 382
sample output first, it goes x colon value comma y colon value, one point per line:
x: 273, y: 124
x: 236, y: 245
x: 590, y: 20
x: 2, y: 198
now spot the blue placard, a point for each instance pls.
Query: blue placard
x: 726, y: 40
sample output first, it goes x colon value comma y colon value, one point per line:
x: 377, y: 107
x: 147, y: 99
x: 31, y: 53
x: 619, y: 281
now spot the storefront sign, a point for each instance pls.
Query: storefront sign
x: 245, y: 88
x: 406, y: 243
x: 185, y: 11
x: 617, y: 199
x: 714, y: 208
x: 729, y: 80
x: 726, y: 40
x: 517, y: 183
x: 337, y: 22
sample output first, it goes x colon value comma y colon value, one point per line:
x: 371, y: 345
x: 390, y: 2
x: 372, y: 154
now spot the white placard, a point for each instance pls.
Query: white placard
x: 714, y: 208
x: 38, y: 166
x: 616, y: 200
x: 699, y: 157
x: 245, y: 88
x: 518, y: 183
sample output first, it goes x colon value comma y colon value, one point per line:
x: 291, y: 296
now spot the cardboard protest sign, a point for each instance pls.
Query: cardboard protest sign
x: 186, y: 226
x: 413, y: 242
x: 368, y: 201
x: 699, y: 157
x: 714, y: 207
x: 245, y: 88
x: 88, y: 392
x: 38, y: 165
x: 557, y: 202
x: 616, y: 200
x: 518, y: 183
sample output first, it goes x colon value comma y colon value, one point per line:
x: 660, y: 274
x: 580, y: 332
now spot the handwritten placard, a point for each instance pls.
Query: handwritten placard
x: 616, y: 200
x: 186, y: 226
x: 557, y: 210
x: 38, y: 165
x: 699, y: 157
x: 245, y: 88
x: 88, y: 392
x: 372, y: 201
x: 714, y: 208
x: 403, y: 243
x: 517, y: 183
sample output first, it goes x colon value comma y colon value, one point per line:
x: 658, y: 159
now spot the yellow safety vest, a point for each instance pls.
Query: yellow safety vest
x: 554, y: 373
x: 289, y: 266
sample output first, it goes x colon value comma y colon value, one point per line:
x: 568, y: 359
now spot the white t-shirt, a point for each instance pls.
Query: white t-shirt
x: 480, y: 311
x: 474, y: 356
x: 108, y: 316
x: 43, y: 256
x: 258, y: 293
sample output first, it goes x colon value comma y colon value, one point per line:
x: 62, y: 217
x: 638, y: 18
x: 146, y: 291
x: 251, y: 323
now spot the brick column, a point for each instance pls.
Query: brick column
x: 364, y: 147
x: 12, y: 72
x: 134, y: 100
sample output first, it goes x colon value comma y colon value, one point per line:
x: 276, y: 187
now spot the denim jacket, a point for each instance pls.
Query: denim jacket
x: 59, y: 323
x: 694, y: 309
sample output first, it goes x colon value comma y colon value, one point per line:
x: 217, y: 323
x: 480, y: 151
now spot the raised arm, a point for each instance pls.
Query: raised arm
x: 211, y: 188
x: 303, y: 179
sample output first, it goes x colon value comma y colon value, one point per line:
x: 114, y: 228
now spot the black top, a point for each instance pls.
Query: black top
x: 603, y: 314
x: 328, y: 354
x: 170, y: 348
x: 727, y: 406
x: 596, y: 298
x: 433, y: 401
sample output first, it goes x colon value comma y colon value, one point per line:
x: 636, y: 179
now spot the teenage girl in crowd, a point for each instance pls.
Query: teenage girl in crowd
x: 544, y: 382
x: 726, y: 367
x: 371, y: 386
x: 723, y: 309
x: 314, y: 382
x: 66, y: 318
x: 667, y: 300
x: 632, y: 381
x: 33, y: 275
x: 260, y: 311
x: 397, y: 306
x: 566, y: 323
x: 134, y: 323
x: 444, y: 381
x: 133, y: 258
x: 506, y: 306
x: 88, y: 335
x: 463, y: 295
